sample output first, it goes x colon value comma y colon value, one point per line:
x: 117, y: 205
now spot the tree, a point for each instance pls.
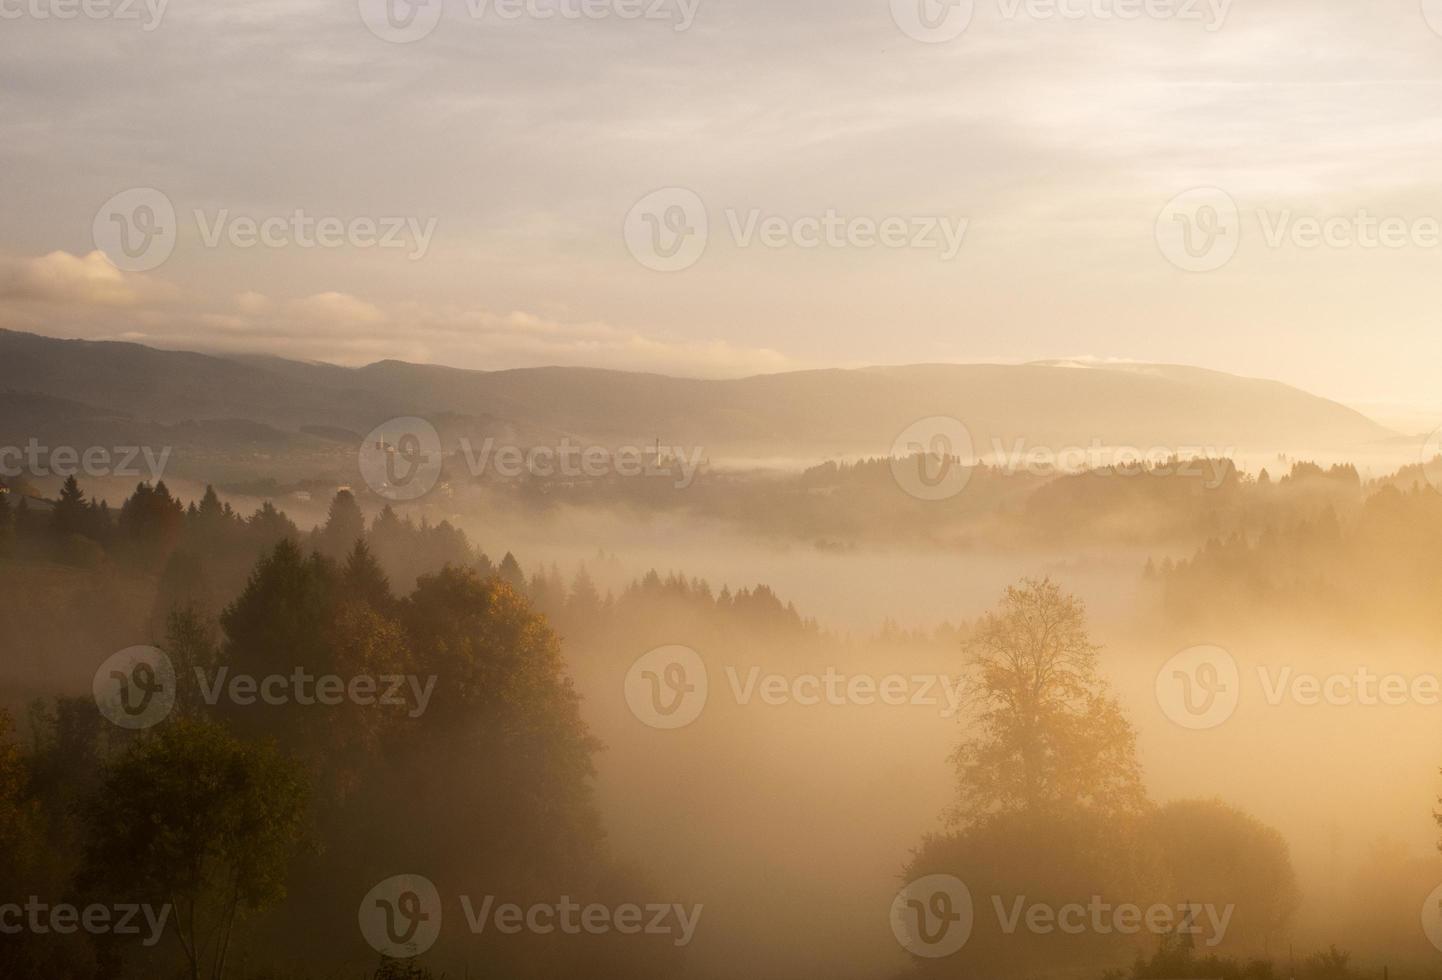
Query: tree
x: 507, y: 706
x: 190, y: 644
x: 7, y: 524
x: 279, y: 621
x: 362, y: 580
x: 151, y: 522
x: 14, y: 808
x: 1048, y: 734
x: 344, y: 526
x: 584, y: 602
x: 1213, y: 853
x: 510, y: 573
x: 193, y: 817
x: 268, y: 527
x: 69, y: 515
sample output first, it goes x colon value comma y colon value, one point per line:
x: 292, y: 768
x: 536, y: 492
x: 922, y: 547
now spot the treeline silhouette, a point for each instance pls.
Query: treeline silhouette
x: 265, y: 824
x: 1374, y: 563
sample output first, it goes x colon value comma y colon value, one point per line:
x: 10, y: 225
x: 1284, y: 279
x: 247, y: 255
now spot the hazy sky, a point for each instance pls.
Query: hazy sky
x: 1052, y: 134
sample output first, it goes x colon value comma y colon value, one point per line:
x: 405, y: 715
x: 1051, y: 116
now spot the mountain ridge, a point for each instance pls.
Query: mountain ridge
x: 817, y: 412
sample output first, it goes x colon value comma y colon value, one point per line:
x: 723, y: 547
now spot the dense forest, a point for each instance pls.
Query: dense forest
x: 256, y: 822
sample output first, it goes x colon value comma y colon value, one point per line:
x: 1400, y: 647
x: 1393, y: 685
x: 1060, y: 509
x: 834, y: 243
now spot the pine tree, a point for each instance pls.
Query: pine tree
x: 510, y: 573
x: 7, y: 525
x: 344, y: 526
x: 363, y: 580
x: 69, y: 515
x: 584, y: 601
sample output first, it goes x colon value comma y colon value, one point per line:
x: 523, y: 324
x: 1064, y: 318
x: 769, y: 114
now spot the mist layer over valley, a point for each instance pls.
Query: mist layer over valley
x: 792, y: 682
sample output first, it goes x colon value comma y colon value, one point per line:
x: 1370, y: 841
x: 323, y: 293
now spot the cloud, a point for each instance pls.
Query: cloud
x: 68, y: 280
x: 89, y: 297
x: 335, y: 310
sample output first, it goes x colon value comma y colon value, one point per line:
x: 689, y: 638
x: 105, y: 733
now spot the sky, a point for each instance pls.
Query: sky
x: 719, y: 188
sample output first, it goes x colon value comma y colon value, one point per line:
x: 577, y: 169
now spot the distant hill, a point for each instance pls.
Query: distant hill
x: 805, y: 414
